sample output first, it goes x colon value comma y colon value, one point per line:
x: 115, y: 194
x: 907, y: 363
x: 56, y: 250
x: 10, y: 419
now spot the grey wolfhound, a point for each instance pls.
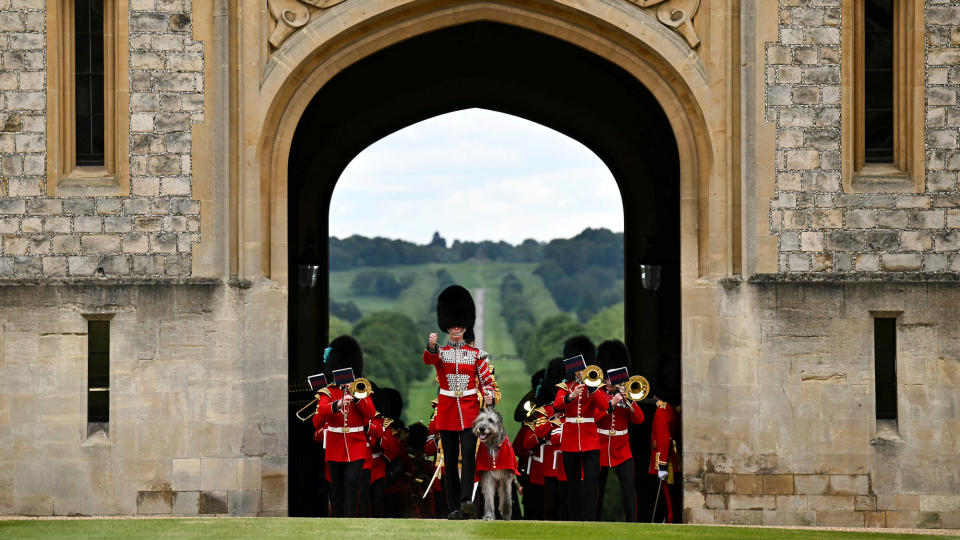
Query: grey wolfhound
x: 488, y: 427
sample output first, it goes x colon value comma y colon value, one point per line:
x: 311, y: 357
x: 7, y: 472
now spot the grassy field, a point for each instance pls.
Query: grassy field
x: 417, y: 303
x: 352, y: 529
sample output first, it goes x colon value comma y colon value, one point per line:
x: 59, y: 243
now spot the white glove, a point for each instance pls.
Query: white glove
x: 662, y: 474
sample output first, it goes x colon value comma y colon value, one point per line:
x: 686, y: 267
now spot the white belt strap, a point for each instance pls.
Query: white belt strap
x: 458, y: 393
x: 609, y: 433
x: 376, y: 455
x: 578, y: 420
x: 345, y: 429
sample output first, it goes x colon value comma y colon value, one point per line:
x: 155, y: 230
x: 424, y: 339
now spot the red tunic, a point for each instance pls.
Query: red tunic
x: 579, y: 426
x: 666, y: 428
x: 506, y: 459
x: 464, y: 376
x: 614, y: 438
x: 384, y: 446
x: 553, y: 456
x: 345, y: 439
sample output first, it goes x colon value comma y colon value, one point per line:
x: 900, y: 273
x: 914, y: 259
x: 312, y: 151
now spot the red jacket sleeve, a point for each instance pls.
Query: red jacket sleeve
x: 392, y: 447
x: 636, y: 414
x: 543, y: 430
x: 600, y: 401
x: 323, y: 411
x: 366, y: 408
x: 558, y: 402
x: 527, y: 439
x: 430, y: 448
x: 431, y: 358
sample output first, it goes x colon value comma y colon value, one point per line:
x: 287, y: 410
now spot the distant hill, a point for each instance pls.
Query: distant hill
x: 584, y: 274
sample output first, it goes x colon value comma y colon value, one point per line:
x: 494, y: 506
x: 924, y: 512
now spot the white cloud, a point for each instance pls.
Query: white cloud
x: 475, y: 175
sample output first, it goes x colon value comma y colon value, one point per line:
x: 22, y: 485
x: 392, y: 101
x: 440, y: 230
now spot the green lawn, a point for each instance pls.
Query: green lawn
x: 356, y: 529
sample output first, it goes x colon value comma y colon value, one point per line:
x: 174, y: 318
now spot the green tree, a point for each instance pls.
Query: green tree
x: 338, y: 327
x: 547, y: 339
x: 607, y: 324
x: 392, y: 346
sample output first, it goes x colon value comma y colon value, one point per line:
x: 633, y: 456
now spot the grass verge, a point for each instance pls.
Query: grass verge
x: 395, y: 529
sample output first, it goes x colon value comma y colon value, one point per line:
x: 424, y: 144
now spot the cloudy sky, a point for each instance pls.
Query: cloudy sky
x: 507, y: 179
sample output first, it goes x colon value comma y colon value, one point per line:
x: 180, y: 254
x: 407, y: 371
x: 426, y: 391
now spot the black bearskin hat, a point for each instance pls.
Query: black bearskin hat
x: 613, y: 354
x: 344, y: 353
x: 396, y: 402
x: 580, y: 345
x: 536, y: 378
x: 551, y: 378
x: 666, y: 378
x: 469, y: 336
x: 416, y: 437
x: 455, y: 308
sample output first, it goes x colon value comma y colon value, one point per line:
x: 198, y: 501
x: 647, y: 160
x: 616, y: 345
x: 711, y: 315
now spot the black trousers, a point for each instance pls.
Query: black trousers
x: 363, y: 494
x: 532, y: 501
x: 376, y: 497
x: 628, y: 493
x: 345, y: 480
x: 582, y: 494
x: 459, y: 488
x: 552, y: 497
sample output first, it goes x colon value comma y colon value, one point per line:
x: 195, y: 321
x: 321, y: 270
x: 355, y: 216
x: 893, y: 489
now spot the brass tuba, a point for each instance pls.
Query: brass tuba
x: 636, y: 388
x: 360, y: 388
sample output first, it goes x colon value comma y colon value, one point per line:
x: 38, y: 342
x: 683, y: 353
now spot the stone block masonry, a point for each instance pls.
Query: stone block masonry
x: 149, y: 233
x: 821, y: 228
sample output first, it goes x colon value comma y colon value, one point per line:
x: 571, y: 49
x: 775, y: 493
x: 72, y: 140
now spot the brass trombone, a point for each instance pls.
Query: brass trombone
x: 316, y: 398
x: 636, y: 388
x: 592, y: 376
x: 360, y: 388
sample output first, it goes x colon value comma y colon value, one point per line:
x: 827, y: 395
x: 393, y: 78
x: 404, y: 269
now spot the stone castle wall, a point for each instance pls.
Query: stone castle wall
x: 820, y: 227
x: 198, y: 406
x: 149, y: 233
x: 779, y: 415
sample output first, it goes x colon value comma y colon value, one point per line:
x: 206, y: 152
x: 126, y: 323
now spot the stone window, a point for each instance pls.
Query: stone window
x: 87, y: 97
x: 98, y: 375
x: 885, y: 367
x: 882, y: 117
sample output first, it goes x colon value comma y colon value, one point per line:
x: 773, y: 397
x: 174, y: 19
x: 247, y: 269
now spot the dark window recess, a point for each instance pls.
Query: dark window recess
x: 878, y: 81
x: 98, y: 372
x: 88, y: 67
x: 885, y: 363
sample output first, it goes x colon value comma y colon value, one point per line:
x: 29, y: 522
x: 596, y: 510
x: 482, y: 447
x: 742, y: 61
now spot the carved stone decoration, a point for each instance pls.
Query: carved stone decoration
x: 291, y: 15
x: 676, y: 15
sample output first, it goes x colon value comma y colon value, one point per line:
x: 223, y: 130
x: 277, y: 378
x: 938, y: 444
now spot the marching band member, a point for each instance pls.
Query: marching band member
x: 578, y: 439
x: 664, y: 457
x: 465, y: 382
x: 345, y: 417
x: 384, y: 446
x: 613, y: 358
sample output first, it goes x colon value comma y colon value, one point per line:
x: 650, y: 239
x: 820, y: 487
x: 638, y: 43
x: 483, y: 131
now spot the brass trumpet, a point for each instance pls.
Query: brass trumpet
x: 360, y: 388
x: 592, y: 376
x: 636, y: 388
x: 313, y: 403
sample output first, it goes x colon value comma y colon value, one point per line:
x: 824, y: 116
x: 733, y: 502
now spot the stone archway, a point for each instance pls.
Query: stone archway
x: 628, y: 39
x: 614, y: 30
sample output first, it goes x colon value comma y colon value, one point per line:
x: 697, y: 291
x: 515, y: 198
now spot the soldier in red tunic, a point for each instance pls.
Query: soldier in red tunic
x: 465, y: 382
x: 579, y: 443
x: 614, y: 433
x: 664, y: 439
x: 345, y: 418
